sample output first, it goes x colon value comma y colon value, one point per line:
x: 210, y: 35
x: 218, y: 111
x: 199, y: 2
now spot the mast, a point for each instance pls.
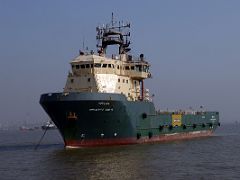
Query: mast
x: 112, y: 34
x: 112, y: 19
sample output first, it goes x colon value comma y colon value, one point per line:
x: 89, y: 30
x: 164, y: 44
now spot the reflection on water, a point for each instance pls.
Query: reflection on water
x: 104, y: 163
x: 215, y: 157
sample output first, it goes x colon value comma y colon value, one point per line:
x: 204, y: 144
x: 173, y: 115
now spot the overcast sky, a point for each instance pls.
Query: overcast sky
x: 193, y: 47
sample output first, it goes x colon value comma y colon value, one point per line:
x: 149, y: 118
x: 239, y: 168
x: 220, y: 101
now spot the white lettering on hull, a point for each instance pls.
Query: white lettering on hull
x: 101, y: 109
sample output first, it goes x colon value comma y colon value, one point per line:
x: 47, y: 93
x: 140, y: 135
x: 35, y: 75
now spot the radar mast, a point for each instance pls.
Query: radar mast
x: 112, y: 34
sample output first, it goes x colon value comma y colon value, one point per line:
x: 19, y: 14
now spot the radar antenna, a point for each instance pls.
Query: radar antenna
x: 111, y: 34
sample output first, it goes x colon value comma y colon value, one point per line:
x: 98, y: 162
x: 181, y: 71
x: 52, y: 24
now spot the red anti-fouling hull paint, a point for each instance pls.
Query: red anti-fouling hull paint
x: 133, y: 140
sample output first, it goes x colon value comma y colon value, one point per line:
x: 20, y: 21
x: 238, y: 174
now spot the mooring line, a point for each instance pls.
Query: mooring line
x: 35, y: 148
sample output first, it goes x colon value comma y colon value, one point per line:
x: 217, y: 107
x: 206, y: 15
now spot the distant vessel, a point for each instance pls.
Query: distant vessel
x: 49, y: 125
x: 105, y: 102
x: 25, y: 128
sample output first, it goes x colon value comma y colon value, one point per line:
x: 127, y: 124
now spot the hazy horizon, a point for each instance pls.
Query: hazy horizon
x: 192, y: 46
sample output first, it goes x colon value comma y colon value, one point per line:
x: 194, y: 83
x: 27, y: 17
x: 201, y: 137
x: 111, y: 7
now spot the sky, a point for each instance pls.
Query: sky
x: 192, y: 46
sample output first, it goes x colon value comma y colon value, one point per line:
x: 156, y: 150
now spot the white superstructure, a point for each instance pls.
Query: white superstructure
x: 120, y: 74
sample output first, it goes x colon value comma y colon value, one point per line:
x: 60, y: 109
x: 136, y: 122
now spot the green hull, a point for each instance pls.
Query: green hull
x: 93, y: 119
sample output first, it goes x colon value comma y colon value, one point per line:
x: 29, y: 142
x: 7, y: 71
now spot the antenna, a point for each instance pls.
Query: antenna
x: 83, y: 43
x: 113, y: 34
x: 112, y: 19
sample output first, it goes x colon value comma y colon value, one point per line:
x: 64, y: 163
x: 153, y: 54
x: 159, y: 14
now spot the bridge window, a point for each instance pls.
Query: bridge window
x: 104, y: 65
x: 127, y: 67
x: 132, y: 67
x: 139, y: 68
x: 73, y: 66
x: 77, y: 66
x: 91, y: 65
x: 83, y: 66
x: 87, y: 65
x: 145, y: 68
x: 109, y: 65
x: 98, y: 65
x: 118, y: 67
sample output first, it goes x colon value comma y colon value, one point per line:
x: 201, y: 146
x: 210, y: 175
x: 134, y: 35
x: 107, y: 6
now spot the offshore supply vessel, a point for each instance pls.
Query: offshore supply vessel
x: 104, y: 101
